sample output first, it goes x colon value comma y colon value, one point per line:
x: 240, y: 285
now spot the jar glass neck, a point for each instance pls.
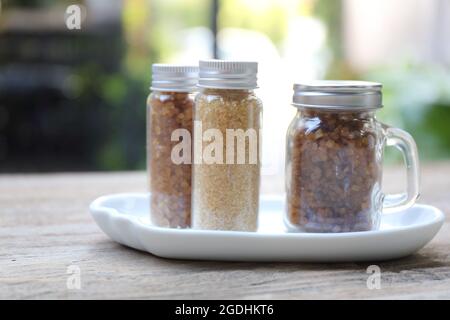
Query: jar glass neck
x: 225, y: 91
x: 169, y: 92
x: 330, y: 113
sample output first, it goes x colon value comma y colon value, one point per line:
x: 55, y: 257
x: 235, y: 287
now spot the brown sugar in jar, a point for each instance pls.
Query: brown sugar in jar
x: 225, y: 193
x: 334, y: 159
x: 334, y: 172
x: 170, y: 107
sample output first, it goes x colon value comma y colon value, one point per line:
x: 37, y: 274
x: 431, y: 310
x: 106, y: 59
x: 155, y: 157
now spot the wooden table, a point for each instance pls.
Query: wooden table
x: 45, y: 228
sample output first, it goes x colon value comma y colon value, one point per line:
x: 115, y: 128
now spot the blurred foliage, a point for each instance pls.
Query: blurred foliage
x: 417, y: 99
x: 330, y: 13
x: 168, y: 18
x: 268, y: 17
x: 416, y: 96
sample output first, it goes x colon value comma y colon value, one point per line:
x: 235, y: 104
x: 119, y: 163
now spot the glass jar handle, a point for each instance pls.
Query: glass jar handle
x: 405, y: 143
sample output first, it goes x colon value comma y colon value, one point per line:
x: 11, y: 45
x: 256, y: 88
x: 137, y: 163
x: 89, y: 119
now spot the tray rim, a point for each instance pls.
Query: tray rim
x: 98, y: 206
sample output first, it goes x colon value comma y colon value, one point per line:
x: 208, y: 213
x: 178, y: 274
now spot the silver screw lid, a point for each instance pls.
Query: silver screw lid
x: 177, y: 78
x: 338, y: 95
x: 227, y: 74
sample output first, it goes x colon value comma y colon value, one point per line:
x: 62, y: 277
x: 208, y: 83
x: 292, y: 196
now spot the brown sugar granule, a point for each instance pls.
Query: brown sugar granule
x: 226, y: 196
x: 170, y: 183
x: 333, y: 172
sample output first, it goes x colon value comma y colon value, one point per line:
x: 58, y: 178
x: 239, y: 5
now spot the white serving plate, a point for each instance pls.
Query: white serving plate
x: 125, y: 219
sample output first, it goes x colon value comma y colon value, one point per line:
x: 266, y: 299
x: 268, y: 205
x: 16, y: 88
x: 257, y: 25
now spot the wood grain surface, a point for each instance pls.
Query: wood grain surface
x: 45, y: 227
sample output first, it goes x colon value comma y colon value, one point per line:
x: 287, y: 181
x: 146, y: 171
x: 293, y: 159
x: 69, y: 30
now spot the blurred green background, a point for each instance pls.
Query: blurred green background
x: 73, y: 100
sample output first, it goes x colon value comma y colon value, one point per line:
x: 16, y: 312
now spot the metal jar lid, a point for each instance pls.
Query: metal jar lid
x: 177, y: 78
x: 224, y: 74
x: 338, y: 95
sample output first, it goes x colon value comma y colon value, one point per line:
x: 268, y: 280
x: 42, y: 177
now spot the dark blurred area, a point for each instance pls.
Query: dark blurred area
x: 74, y: 99
x: 63, y: 92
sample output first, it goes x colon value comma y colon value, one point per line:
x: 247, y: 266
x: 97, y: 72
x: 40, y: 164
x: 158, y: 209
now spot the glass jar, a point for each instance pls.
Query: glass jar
x: 226, y: 172
x: 334, y: 159
x: 169, y: 121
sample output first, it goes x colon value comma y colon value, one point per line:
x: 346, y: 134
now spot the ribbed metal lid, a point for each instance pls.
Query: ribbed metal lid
x: 227, y: 74
x: 177, y: 78
x: 338, y: 94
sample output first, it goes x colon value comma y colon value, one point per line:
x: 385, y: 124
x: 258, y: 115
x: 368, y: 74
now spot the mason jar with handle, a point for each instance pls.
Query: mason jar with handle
x: 334, y: 159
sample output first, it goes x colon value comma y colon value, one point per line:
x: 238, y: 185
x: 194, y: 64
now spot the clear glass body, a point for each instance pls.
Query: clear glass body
x: 334, y: 171
x: 170, y: 182
x: 225, y: 193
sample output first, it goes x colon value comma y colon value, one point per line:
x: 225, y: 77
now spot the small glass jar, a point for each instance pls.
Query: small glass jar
x: 226, y: 173
x: 334, y: 159
x: 169, y: 111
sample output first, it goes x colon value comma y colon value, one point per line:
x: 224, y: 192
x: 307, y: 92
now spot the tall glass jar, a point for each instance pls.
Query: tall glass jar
x: 334, y: 159
x: 226, y: 173
x: 169, y: 121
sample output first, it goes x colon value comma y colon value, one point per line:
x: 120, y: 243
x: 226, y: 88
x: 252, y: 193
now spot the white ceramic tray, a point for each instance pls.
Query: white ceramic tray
x: 125, y: 219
